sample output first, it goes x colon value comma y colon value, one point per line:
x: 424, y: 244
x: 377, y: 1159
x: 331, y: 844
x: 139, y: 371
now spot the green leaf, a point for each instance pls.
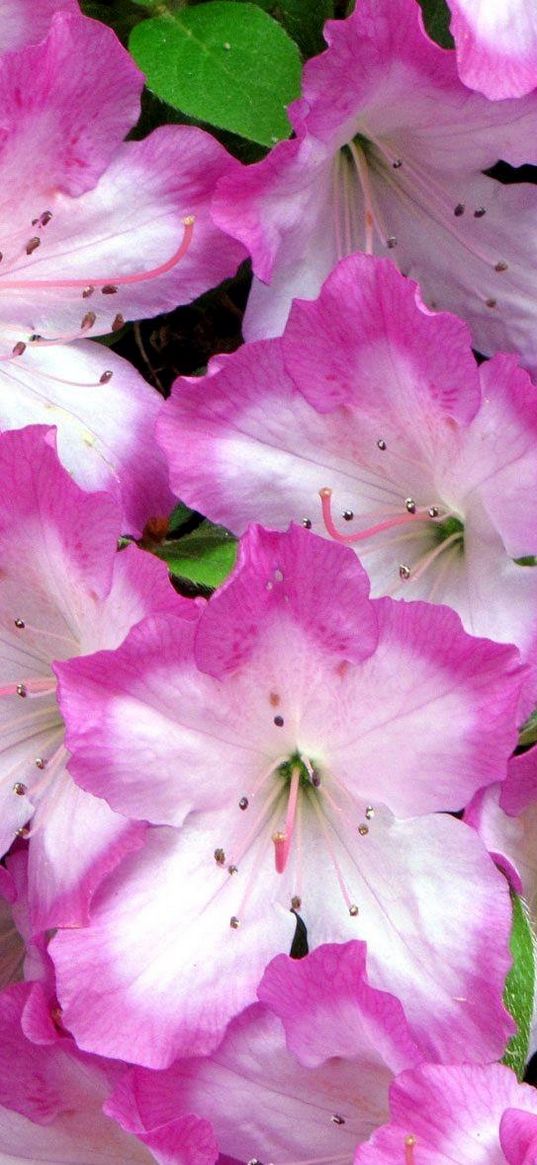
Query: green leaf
x: 227, y: 63
x: 205, y: 557
x: 519, y: 991
x: 436, y: 17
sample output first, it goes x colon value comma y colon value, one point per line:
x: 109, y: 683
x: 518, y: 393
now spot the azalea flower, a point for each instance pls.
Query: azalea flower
x: 378, y: 406
x: 63, y: 590
x: 302, y: 1076
x: 456, y: 1114
x: 293, y: 747
x: 388, y: 158
x: 95, y: 231
x: 496, y: 43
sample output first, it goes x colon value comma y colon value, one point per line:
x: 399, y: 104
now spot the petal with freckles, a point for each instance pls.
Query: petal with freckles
x: 159, y: 972
x: 126, y: 236
x: 63, y: 114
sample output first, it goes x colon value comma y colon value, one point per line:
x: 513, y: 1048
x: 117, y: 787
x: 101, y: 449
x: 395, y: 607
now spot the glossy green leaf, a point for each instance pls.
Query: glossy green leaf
x: 224, y: 62
x: 206, y: 556
x: 519, y: 992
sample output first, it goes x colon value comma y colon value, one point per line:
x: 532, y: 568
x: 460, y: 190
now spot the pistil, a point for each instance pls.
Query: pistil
x: 282, y: 840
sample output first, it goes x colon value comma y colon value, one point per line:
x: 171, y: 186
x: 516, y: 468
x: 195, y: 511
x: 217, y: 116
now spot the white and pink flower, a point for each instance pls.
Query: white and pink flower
x: 427, y: 464
x: 388, y: 157
x: 64, y: 590
x: 293, y: 747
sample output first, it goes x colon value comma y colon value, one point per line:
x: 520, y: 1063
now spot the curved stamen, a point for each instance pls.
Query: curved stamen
x: 325, y: 495
x: 107, y: 281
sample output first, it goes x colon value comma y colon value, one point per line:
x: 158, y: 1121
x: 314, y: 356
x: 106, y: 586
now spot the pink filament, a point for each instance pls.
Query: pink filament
x: 35, y: 687
x: 282, y: 841
x: 409, y: 1150
x: 107, y: 280
x: 325, y: 495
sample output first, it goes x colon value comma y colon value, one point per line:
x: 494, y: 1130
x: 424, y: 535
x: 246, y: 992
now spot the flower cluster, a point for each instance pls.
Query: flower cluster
x: 267, y: 870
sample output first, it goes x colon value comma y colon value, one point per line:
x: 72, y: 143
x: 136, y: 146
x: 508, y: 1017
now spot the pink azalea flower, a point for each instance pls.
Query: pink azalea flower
x: 388, y: 158
x: 303, y: 1078
x: 98, y: 230
x: 282, y: 733
x: 51, y: 1099
x: 376, y: 402
x: 455, y: 1115
x: 496, y: 43
x: 63, y: 590
x: 95, y: 231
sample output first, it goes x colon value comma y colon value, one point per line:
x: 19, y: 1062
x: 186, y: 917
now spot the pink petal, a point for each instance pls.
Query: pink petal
x: 105, y: 434
x: 272, y: 582
x: 64, y: 115
x: 107, y: 981
x: 454, y: 1114
x: 27, y: 21
x: 60, y: 893
x: 496, y: 45
x: 262, y: 1104
x: 117, y: 237
x: 367, y: 342
x: 328, y: 1008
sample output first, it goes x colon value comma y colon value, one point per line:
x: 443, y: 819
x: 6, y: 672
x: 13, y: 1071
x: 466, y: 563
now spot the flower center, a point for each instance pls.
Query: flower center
x: 436, y: 528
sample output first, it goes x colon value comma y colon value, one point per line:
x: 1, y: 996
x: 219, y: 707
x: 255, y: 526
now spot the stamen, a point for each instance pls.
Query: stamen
x: 373, y: 217
x: 107, y: 280
x: 282, y: 841
x: 325, y: 495
x: 351, y: 906
x: 409, y: 1150
x: 32, y: 688
x: 426, y: 561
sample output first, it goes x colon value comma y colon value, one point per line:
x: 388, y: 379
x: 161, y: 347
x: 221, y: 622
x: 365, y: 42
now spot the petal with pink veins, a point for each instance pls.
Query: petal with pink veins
x: 455, y: 1115
x: 496, y: 43
x: 63, y: 589
x: 104, y: 411
x: 63, y: 117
